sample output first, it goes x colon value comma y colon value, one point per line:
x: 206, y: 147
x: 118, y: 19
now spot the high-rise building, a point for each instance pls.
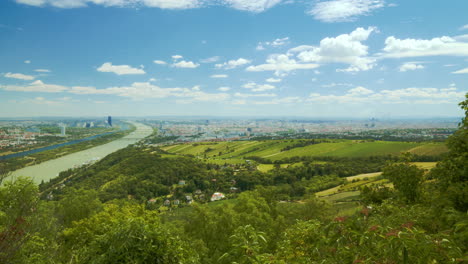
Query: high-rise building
x: 63, y: 130
x: 109, y: 120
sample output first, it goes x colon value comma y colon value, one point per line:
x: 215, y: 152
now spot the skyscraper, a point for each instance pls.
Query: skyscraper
x: 109, y: 120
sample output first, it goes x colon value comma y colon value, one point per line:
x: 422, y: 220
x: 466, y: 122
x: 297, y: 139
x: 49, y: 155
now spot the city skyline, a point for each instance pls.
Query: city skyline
x: 267, y: 58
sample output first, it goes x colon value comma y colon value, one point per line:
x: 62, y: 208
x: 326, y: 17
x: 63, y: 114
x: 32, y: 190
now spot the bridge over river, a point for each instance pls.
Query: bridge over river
x: 50, y: 169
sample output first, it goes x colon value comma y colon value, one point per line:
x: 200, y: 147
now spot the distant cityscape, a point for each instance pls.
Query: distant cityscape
x: 18, y: 134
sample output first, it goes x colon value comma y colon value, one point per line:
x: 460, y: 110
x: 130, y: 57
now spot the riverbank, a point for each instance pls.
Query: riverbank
x: 37, y: 156
x: 51, y: 168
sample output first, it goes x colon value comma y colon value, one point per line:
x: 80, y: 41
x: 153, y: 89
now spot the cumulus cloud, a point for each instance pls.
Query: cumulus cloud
x: 345, y: 48
x: 27, y: 61
x: 255, y: 6
x: 405, y: 48
x: 119, y: 69
x: 224, y: 89
x: 344, y: 10
x: 36, y: 86
x: 285, y: 100
x: 464, y: 27
x: 331, y: 85
x: 233, y: 64
x: 219, y: 76
x: 177, y: 57
x: 163, y: 4
x: 410, y: 66
x: 462, y: 71
x: 245, y: 95
x: 19, y: 76
x: 398, y: 96
x: 160, y: 62
x: 42, y: 70
x: 210, y: 59
x: 143, y: 90
x: 258, y: 87
x: 281, y: 64
x: 185, y: 64
x: 275, y: 43
x: 273, y: 80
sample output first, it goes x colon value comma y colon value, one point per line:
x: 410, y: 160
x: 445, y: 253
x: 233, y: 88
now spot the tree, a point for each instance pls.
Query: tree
x: 452, y: 172
x: 406, y: 179
x: 129, y: 234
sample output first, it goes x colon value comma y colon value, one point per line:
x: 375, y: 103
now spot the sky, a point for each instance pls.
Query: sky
x: 259, y: 58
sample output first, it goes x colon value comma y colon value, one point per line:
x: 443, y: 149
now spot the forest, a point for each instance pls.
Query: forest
x: 143, y: 204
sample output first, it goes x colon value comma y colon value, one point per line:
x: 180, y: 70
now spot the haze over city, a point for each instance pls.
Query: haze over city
x: 339, y: 58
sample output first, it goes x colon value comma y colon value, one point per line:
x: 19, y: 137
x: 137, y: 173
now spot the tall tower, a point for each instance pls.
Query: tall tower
x: 63, y: 129
x: 109, y: 120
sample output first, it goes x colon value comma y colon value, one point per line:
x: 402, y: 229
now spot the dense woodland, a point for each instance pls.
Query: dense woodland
x: 115, y: 211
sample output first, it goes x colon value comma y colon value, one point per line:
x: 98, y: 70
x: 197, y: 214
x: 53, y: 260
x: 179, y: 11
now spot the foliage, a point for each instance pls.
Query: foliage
x: 125, y: 235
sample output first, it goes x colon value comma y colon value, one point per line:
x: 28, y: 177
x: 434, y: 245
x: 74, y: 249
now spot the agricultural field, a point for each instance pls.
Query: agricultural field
x: 280, y: 149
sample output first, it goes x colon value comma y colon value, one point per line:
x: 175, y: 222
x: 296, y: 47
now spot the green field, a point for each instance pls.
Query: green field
x: 220, y: 152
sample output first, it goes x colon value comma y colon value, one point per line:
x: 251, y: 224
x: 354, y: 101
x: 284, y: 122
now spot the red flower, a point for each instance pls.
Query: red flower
x: 340, y: 219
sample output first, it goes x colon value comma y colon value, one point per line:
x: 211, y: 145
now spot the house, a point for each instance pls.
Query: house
x: 152, y: 200
x: 181, y: 182
x: 176, y: 202
x: 217, y: 196
x: 167, y: 203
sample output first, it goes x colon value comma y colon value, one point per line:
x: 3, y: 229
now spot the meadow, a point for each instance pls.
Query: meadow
x: 236, y: 151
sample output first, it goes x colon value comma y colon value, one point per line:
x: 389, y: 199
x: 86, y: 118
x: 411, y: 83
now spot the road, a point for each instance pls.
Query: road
x: 51, y: 168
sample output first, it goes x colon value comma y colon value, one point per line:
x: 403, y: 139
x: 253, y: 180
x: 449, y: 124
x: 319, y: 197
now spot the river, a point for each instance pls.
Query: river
x: 51, y: 168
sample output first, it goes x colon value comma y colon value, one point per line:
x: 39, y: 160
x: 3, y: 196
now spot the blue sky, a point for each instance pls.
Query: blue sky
x: 335, y: 58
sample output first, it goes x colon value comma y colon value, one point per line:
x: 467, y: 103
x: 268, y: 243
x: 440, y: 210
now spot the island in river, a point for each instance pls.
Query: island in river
x: 50, y: 169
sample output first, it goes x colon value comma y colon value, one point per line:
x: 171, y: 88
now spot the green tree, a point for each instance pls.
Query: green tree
x: 452, y: 172
x: 406, y: 179
x: 129, y: 234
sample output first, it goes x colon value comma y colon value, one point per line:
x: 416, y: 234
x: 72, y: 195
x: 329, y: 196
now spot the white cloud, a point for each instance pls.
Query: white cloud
x: 408, y: 95
x: 273, y: 80
x: 255, y: 6
x: 42, y: 70
x: 281, y: 64
x: 219, y: 76
x: 144, y: 90
x: 244, y: 95
x: 359, y: 91
x: 286, y: 100
x: 177, y: 57
x: 160, y: 62
x: 275, y: 43
x: 36, y: 86
x: 464, y: 27
x: 344, y: 10
x: 27, y: 61
x: 167, y: 4
x: 331, y: 85
x: 233, y: 64
x: 163, y: 4
x: 405, y: 48
x: 462, y: 71
x: 211, y: 59
x: 345, y: 48
x: 119, y: 69
x: 224, y: 89
x: 258, y: 87
x: 19, y: 76
x: 185, y: 64
x: 239, y: 102
x: 410, y: 66
x: 461, y: 38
